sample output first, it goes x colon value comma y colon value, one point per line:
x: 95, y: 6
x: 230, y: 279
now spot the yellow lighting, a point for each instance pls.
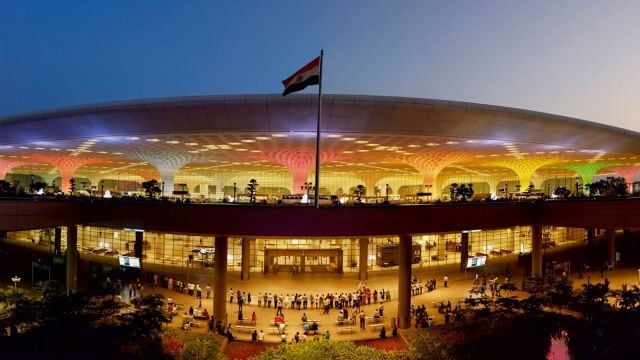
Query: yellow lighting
x: 173, y: 142
x: 132, y: 138
x: 248, y: 141
x: 279, y: 135
x: 191, y: 144
x: 153, y: 140
x: 334, y: 135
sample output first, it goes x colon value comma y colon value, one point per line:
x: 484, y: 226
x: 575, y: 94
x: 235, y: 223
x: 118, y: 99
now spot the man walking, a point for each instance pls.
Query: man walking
x: 446, y: 280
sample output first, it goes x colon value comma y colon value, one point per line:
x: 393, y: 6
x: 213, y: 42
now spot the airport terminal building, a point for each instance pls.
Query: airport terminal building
x: 404, y: 183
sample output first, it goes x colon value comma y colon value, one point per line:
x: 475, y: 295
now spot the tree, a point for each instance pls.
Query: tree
x: 627, y: 298
x: 252, y: 189
x: 609, y: 187
x: 151, y: 188
x: 82, y: 324
x: 359, y: 192
x: 562, y: 192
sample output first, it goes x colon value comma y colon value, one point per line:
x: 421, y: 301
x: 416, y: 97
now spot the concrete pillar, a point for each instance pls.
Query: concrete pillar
x: 464, y: 250
x: 511, y: 240
x: 303, y: 263
x: 57, y: 241
x: 220, y: 279
x: 72, y: 258
x: 245, y: 268
x: 591, y: 236
x: 611, y: 246
x: 363, y: 260
x: 138, y: 252
x: 441, y: 247
x: 404, y: 282
x: 536, y: 250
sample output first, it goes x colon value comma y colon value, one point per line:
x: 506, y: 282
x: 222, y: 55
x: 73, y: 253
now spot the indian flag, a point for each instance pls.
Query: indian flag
x: 308, y: 75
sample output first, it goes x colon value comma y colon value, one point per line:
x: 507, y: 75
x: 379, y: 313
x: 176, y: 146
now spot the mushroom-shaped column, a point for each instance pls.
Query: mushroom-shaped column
x: 586, y: 171
x: 430, y: 164
x: 67, y: 166
x: 6, y: 165
x: 524, y: 168
x: 300, y: 162
x: 167, y: 165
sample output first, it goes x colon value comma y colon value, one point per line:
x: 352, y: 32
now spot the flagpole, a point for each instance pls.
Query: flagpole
x: 317, y: 179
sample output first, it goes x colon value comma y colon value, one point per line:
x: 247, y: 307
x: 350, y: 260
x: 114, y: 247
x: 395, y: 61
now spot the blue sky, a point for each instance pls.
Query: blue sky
x: 574, y: 58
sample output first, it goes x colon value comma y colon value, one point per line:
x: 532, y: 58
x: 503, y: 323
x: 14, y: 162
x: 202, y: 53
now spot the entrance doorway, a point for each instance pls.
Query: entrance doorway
x: 297, y: 261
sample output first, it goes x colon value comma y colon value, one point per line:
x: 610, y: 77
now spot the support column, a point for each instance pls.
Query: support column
x: 536, y: 250
x: 220, y: 279
x: 138, y: 247
x: 363, y: 260
x: 245, y: 268
x: 72, y: 259
x: 404, y: 282
x: 464, y: 250
x: 57, y: 241
x: 611, y: 246
x: 441, y: 247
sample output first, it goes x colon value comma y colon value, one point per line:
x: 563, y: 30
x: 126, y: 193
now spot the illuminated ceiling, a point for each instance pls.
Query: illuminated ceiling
x: 270, y: 133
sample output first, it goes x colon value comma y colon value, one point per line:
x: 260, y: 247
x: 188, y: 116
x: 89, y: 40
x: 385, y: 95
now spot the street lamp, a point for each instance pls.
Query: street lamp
x: 16, y: 280
x: 386, y: 193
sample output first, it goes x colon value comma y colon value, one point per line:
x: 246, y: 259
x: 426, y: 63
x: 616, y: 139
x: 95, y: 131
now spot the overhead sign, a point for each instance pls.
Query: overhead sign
x: 476, y: 261
x: 129, y: 261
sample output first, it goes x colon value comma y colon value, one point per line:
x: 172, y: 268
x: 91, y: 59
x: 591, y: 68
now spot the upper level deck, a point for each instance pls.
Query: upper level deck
x: 284, y: 221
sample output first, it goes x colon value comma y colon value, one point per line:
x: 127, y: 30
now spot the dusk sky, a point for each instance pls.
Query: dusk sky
x: 576, y: 58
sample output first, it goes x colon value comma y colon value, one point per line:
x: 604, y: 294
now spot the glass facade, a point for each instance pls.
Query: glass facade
x: 310, y: 255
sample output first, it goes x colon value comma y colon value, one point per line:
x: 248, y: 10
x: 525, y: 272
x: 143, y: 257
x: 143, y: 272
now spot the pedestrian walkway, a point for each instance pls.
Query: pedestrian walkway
x: 458, y: 286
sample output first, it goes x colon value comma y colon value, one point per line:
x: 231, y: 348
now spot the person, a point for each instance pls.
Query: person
x: 261, y: 336
x: 362, y: 316
x: 283, y: 337
x: 208, y: 291
x: 316, y: 336
x: 296, y: 337
x: 394, y: 331
x: 446, y: 280
x: 205, y: 313
x: 314, y: 326
x: 381, y: 309
x: 231, y: 296
x: 210, y: 326
x: 254, y: 318
x: 190, y: 310
x: 383, y: 333
x: 254, y: 336
x: 305, y: 327
x: 230, y: 336
x: 326, y: 335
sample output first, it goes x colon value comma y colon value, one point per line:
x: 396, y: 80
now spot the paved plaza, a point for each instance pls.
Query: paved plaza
x: 309, y: 283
